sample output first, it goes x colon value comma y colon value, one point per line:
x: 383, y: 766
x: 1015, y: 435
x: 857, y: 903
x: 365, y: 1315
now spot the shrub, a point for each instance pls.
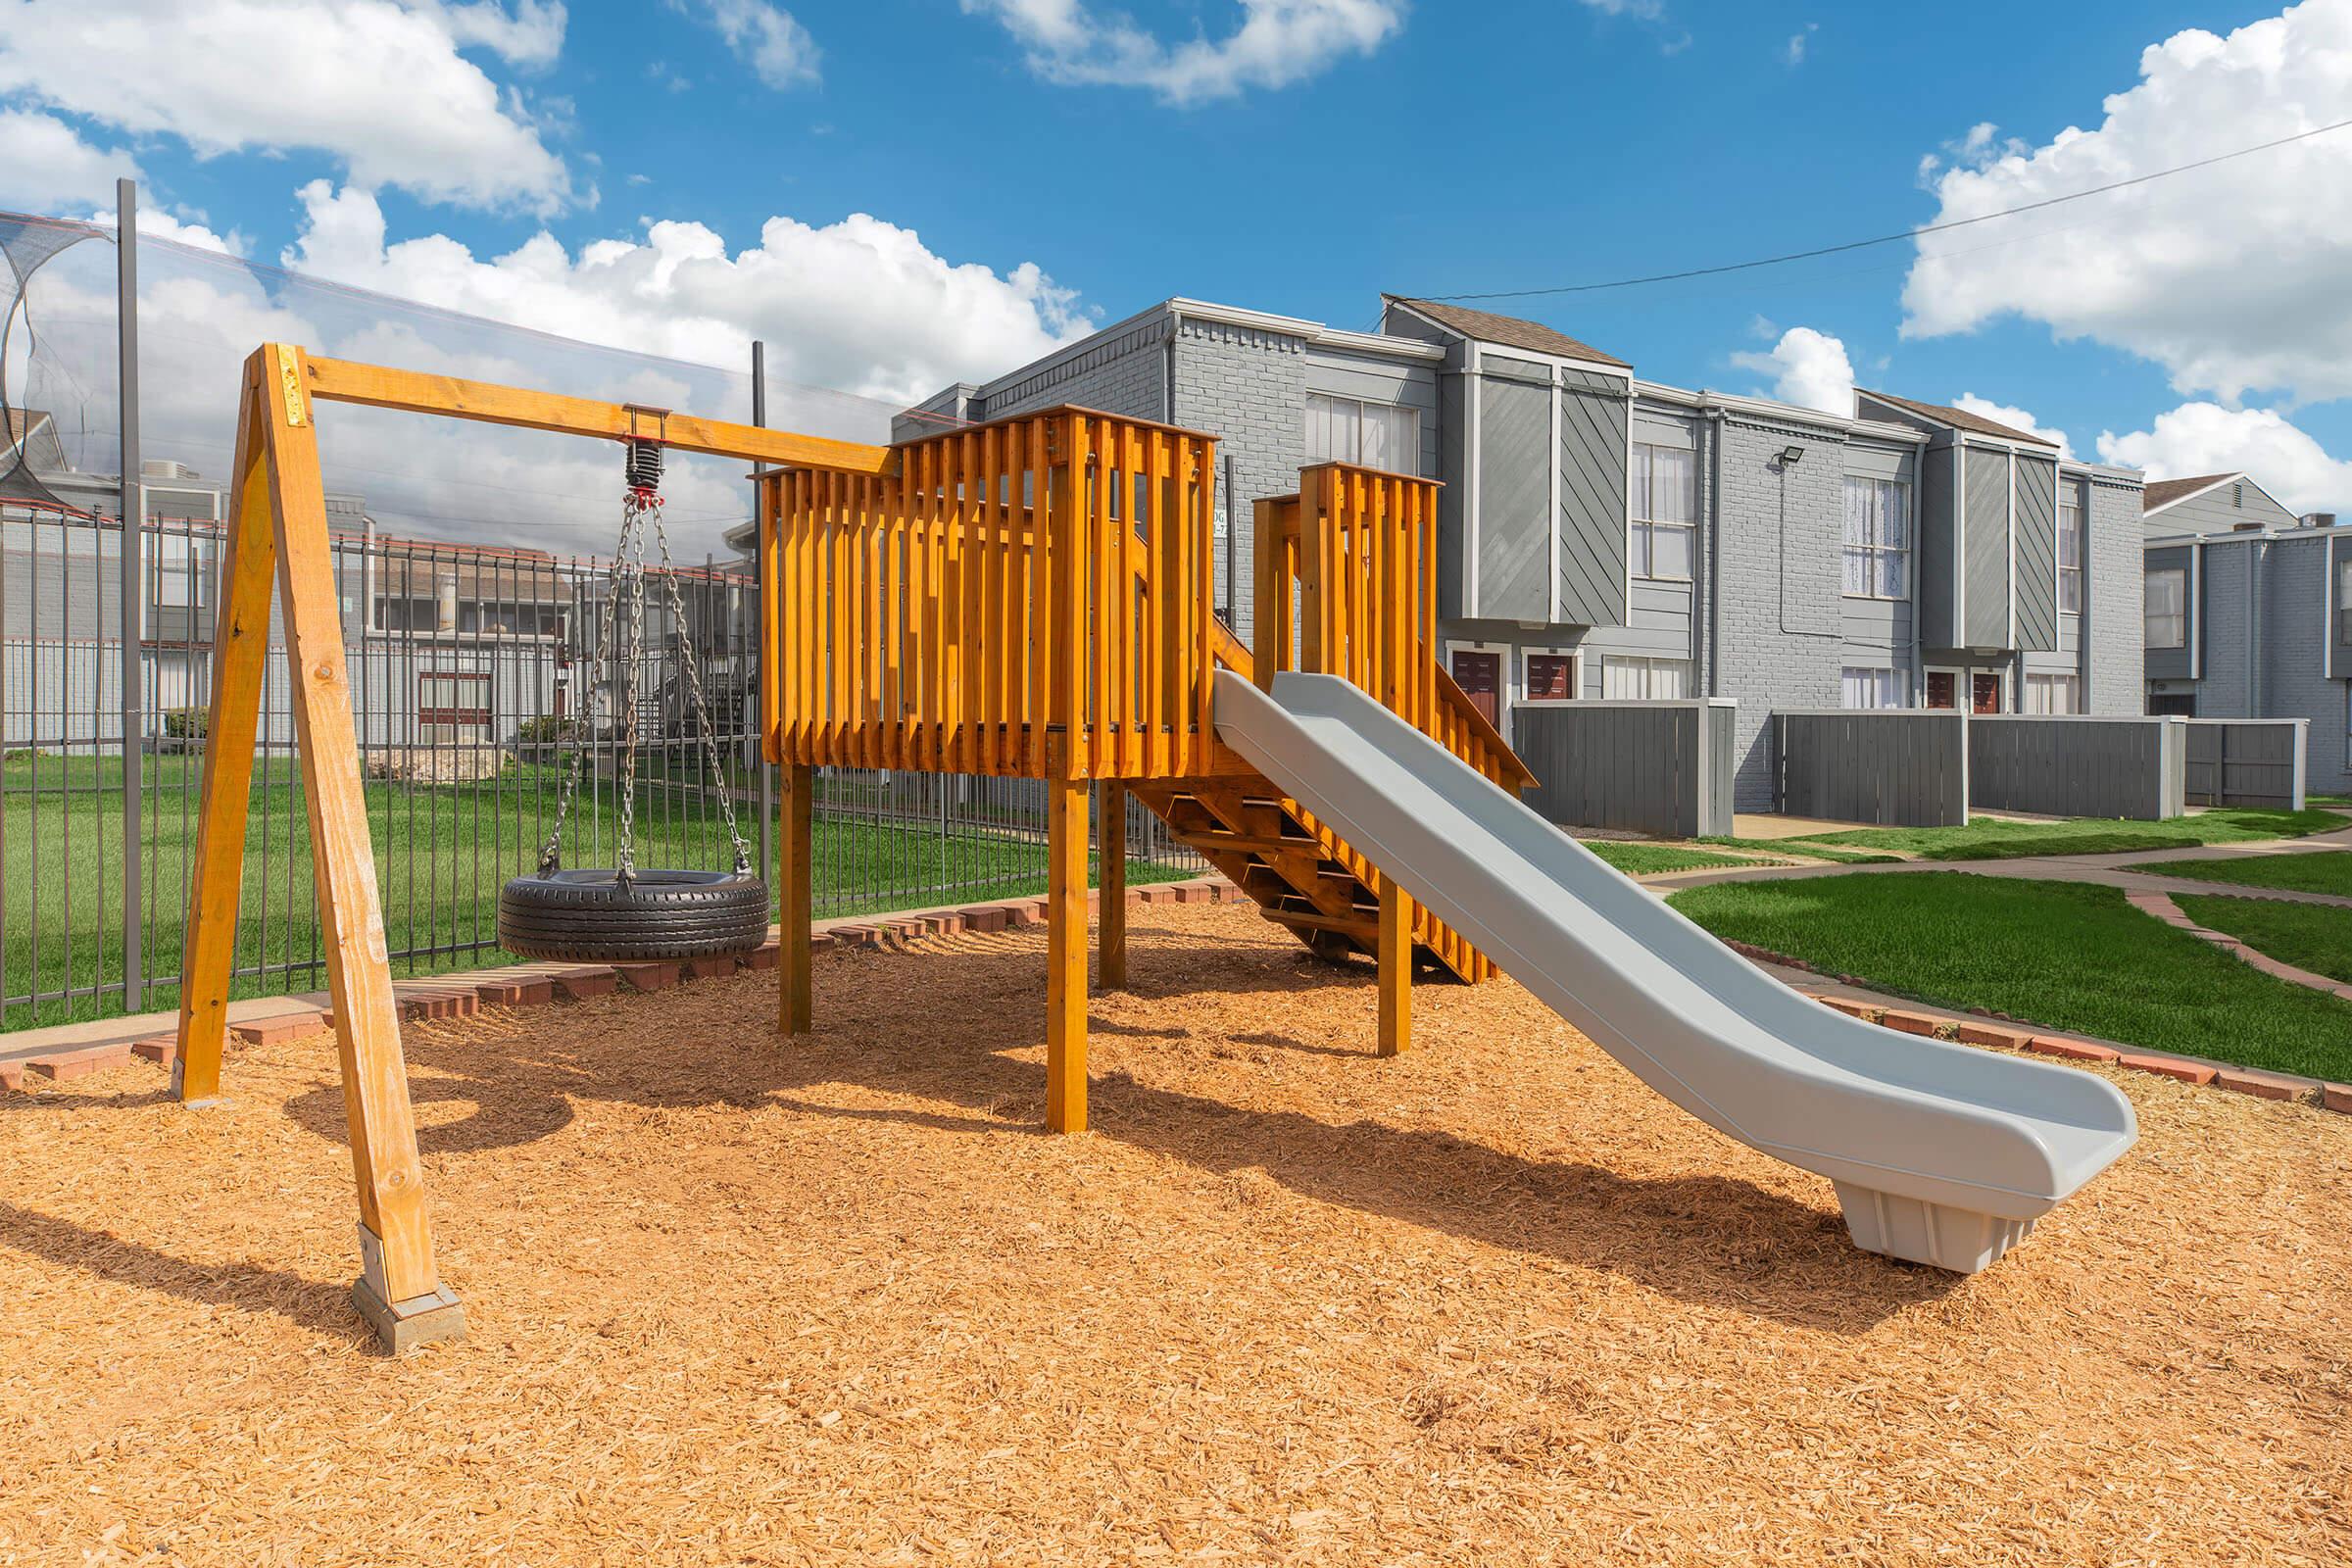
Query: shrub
x: 186, y: 723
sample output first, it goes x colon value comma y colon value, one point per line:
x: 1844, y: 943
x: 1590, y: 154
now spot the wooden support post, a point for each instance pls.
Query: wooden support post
x: 1066, y: 954
x: 399, y: 1290
x: 240, y: 652
x: 795, y: 879
x: 1395, y: 968
x: 1110, y: 886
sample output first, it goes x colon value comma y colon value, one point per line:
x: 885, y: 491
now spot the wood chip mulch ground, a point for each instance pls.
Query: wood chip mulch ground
x: 842, y: 1301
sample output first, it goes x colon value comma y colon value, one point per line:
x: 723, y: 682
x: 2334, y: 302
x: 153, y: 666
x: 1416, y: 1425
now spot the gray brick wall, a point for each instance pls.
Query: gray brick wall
x: 2225, y: 689
x: 1126, y: 373
x: 2294, y: 627
x: 2115, y: 623
x: 1248, y: 387
x: 1781, y: 582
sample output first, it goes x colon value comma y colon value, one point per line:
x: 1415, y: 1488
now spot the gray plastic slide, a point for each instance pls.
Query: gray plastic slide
x: 1940, y: 1154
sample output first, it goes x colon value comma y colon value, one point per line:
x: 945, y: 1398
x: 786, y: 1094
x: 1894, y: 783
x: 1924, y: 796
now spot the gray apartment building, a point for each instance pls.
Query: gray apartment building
x: 2249, y: 614
x: 1602, y: 536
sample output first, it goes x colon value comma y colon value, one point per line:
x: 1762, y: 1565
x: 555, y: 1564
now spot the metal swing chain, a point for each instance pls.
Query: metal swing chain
x: 641, y: 501
x: 551, y: 853
x: 694, y: 691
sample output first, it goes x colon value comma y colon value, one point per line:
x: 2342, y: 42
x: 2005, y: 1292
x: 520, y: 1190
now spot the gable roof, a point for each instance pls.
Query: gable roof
x: 1508, y: 331
x: 2161, y: 493
x: 1958, y: 418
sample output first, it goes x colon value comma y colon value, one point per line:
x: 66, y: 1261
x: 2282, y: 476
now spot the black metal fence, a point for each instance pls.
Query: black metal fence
x: 475, y: 686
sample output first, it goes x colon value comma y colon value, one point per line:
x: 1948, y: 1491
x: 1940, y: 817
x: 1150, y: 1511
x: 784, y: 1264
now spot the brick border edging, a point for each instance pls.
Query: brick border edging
x: 463, y: 992
x: 2259, y: 1082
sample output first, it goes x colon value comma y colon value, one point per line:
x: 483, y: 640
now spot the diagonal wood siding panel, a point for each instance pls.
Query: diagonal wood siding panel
x: 1985, y: 550
x: 1514, y: 544
x: 2036, y: 554
x: 1593, y: 528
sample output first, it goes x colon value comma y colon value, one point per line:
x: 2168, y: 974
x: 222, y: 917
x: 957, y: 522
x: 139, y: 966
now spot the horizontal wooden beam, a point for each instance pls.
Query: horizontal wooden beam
x: 379, y: 386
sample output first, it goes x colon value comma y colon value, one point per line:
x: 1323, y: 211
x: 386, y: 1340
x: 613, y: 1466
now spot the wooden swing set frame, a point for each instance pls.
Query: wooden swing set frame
x: 1028, y: 597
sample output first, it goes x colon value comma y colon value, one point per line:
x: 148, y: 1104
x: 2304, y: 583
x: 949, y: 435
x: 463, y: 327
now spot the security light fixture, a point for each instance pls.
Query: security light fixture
x: 1792, y: 454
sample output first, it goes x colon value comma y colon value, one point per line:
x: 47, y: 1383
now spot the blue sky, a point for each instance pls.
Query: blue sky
x: 1029, y: 166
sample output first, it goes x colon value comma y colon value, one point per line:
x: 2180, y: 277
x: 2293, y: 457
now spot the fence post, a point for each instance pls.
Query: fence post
x: 760, y: 608
x: 131, y: 668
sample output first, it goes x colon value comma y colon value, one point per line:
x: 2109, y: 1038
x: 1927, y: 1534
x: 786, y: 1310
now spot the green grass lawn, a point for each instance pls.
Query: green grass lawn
x: 1809, y: 848
x: 2068, y: 956
x: 2309, y: 935
x: 1642, y: 859
x: 1993, y: 839
x: 441, y: 850
x: 2314, y: 871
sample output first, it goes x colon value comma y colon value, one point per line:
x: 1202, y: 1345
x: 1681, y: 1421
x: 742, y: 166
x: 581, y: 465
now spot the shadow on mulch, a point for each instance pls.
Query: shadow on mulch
x: 941, y: 1024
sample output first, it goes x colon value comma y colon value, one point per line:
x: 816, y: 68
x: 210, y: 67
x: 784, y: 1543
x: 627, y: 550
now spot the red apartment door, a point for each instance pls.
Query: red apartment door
x: 1985, y: 692
x: 1479, y: 676
x: 1943, y: 689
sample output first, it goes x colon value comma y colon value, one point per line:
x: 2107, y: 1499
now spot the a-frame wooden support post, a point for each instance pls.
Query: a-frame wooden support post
x: 279, y: 511
x: 1065, y: 950
x: 1396, y: 955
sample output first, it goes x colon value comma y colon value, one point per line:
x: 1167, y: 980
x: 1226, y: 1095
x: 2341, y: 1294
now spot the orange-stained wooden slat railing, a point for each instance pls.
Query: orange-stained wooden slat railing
x: 1346, y: 584
x: 1045, y: 573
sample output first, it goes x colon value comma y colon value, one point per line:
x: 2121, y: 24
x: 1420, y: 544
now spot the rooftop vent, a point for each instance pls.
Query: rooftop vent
x: 2319, y: 519
x: 166, y: 468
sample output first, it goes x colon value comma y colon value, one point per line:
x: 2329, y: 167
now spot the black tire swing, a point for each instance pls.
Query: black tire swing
x: 621, y: 912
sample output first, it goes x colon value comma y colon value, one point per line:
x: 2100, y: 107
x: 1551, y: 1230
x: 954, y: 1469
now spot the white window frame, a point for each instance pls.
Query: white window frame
x: 1895, y: 681
x: 2045, y: 679
x: 1872, y: 553
x: 1641, y: 546
x: 1357, y: 406
x: 1648, y: 660
x: 2146, y: 579
x: 2074, y: 573
x: 1576, y: 675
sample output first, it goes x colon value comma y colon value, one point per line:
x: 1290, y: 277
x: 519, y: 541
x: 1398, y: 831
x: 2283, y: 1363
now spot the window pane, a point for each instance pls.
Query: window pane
x: 1638, y: 562
x: 1673, y: 485
x: 1857, y: 571
x: 1860, y: 499
x: 1638, y: 482
x: 1373, y: 437
x: 1669, y: 552
x: 1890, y: 574
x: 1894, y: 514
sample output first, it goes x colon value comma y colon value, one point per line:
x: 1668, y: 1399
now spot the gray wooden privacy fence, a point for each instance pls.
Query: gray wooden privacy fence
x: 2246, y: 761
x: 1887, y: 766
x: 1662, y: 769
x: 2077, y: 765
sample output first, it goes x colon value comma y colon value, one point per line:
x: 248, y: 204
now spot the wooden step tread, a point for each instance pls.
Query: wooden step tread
x: 1253, y: 842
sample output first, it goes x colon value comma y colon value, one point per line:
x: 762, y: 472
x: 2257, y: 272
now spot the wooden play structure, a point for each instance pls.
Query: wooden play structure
x: 1028, y: 597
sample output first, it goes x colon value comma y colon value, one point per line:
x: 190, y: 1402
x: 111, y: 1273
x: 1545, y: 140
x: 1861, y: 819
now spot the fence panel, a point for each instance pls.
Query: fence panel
x: 1661, y: 768
x: 2246, y: 761
x: 476, y: 683
x: 2077, y: 765
x: 1890, y: 767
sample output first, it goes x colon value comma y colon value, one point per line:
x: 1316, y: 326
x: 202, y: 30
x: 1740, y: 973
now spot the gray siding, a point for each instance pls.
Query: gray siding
x: 2340, y: 607
x: 2294, y: 650
x: 1641, y: 767
x: 1248, y: 387
x: 2225, y: 507
x: 1891, y: 768
x: 2035, y: 553
x: 1938, y: 519
x: 2171, y: 664
x: 1515, y: 501
x: 2118, y: 768
x: 2114, y: 598
x: 1594, y: 428
x: 1453, y: 541
x: 1985, y: 550
x: 1380, y: 378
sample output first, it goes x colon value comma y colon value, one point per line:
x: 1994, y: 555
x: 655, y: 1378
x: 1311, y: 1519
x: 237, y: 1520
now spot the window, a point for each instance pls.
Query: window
x: 1665, y: 503
x: 1878, y: 539
x: 2070, y: 549
x: 2167, y: 609
x: 1638, y: 680
x: 2053, y: 694
x: 1550, y: 677
x: 2343, y: 600
x: 1377, y: 435
x: 1872, y: 687
x: 460, y: 697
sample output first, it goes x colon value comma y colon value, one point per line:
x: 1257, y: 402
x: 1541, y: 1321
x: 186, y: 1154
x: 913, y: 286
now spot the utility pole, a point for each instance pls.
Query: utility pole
x: 134, y: 517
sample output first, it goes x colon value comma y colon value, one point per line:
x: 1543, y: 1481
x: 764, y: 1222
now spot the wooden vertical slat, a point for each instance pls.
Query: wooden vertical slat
x: 974, y: 566
x: 994, y: 546
x: 1395, y: 957
x: 1044, y: 606
x: 938, y: 614
x: 1203, y: 583
x: 1269, y: 595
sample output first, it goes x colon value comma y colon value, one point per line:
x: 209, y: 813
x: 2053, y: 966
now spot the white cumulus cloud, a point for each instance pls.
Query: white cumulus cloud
x: 379, y: 85
x: 45, y: 165
x: 781, y: 52
x: 1277, y: 42
x: 2224, y: 275
x: 1808, y: 368
x: 2015, y: 417
x: 2206, y: 438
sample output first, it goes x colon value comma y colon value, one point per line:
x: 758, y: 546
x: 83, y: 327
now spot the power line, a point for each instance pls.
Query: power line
x: 1890, y: 240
